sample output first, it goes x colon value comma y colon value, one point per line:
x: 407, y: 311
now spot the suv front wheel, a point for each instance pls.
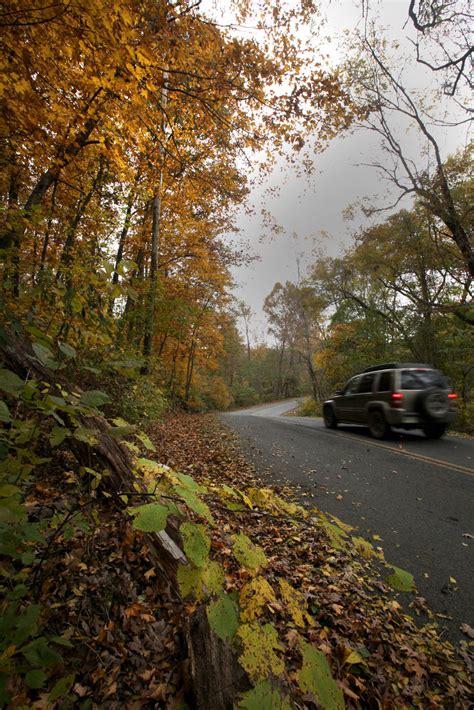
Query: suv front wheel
x: 378, y: 426
x: 330, y: 420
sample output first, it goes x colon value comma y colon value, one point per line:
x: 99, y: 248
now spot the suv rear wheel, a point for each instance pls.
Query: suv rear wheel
x: 330, y: 420
x: 434, y: 431
x: 378, y: 426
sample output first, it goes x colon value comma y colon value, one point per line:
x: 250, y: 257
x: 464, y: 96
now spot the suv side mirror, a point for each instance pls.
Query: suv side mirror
x: 338, y: 392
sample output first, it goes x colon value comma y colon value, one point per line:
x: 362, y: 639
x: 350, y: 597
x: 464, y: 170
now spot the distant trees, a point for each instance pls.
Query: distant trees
x: 294, y: 315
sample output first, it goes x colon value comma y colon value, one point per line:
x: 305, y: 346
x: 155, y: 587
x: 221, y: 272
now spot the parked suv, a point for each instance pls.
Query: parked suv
x: 406, y: 395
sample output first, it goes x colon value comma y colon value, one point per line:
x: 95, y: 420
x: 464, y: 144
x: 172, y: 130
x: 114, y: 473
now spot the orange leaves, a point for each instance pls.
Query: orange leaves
x: 138, y: 610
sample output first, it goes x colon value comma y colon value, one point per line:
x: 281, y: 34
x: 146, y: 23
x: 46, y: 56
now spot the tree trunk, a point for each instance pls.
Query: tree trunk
x: 189, y: 370
x: 82, y: 204
x: 123, y: 237
x: 13, y: 235
x: 48, y: 227
x: 150, y: 316
x: 155, y: 245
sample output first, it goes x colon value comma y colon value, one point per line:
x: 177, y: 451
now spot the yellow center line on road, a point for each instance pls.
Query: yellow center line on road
x: 403, y: 452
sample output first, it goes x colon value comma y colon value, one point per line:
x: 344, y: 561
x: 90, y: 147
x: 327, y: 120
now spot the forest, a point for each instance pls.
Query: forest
x: 132, y: 133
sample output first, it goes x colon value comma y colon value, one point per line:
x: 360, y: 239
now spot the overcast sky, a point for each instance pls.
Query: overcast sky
x: 310, y: 212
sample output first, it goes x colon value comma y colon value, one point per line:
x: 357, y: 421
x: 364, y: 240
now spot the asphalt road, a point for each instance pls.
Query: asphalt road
x: 417, y: 495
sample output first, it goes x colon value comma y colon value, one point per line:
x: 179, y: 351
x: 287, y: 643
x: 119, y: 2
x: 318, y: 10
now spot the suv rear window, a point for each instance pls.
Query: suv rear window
x: 421, y: 379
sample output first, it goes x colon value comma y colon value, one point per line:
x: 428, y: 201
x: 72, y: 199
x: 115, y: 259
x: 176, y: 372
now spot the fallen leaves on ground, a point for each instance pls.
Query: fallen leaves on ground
x: 313, y: 597
x: 378, y: 655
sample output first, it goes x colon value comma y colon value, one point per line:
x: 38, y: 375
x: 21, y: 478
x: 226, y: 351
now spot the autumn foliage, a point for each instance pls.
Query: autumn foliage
x: 127, y: 129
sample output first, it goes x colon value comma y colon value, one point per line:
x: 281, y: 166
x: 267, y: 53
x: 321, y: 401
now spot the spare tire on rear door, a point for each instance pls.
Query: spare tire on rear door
x: 433, y: 404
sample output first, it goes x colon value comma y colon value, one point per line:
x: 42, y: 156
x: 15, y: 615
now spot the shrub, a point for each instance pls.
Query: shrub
x: 465, y: 419
x: 142, y: 401
x: 309, y: 408
x: 244, y: 395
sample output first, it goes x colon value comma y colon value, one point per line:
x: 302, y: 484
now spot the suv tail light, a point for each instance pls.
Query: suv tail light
x: 452, y: 395
x: 396, y: 399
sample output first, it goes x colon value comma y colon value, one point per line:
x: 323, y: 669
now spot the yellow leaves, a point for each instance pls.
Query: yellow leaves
x: 296, y: 604
x: 127, y: 16
x: 22, y: 86
x: 267, y: 499
x: 353, y: 657
x: 254, y: 596
x: 257, y: 595
x: 260, y: 647
x: 334, y: 533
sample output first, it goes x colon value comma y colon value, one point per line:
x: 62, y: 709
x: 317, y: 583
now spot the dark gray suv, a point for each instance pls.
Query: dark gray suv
x: 406, y: 395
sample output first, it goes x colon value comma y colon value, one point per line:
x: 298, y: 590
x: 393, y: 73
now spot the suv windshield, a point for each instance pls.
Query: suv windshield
x: 421, y: 379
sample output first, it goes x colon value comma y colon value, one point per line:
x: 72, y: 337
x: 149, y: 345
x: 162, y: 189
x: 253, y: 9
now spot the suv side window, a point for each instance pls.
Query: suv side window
x: 366, y: 382
x: 385, y: 384
x: 352, y: 386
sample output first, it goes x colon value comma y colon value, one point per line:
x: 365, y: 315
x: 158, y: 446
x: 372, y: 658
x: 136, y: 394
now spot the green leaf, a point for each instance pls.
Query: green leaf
x: 26, y: 624
x: 196, y: 543
x: 146, y: 441
x: 4, y: 413
x: 67, y: 350
x: 45, y: 356
x: 35, y: 679
x: 10, y: 383
x: 150, y: 517
x: 58, y: 434
x: 249, y: 555
x: 88, y: 436
x: 126, y: 265
x: 94, y: 398
x: 200, y: 581
x: 7, y: 490
x: 38, y: 653
x: 234, y: 506
x: 62, y: 687
x: 223, y: 617
x: 12, y: 511
x: 189, y: 581
x: 119, y: 432
x: 62, y: 642
x: 263, y: 697
x: 400, y: 580
x: 315, y: 678
x: 193, y: 502
x: 189, y: 483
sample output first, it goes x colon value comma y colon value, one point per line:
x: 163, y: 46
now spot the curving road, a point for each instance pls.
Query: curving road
x: 415, y: 495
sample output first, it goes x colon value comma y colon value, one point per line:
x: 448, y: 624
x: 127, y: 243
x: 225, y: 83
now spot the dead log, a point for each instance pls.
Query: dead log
x: 217, y: 678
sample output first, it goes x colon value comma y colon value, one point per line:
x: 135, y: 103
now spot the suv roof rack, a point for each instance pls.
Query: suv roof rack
x: 397, y: 366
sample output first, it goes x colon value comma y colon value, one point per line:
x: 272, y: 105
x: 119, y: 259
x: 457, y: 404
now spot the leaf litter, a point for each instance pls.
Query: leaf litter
x: 377, y: 654
x: 315, y: 598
